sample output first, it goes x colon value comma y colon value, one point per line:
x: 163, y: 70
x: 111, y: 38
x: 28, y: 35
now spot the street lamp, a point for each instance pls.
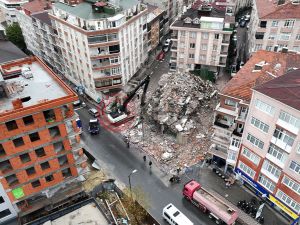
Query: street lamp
x: 132, y: 172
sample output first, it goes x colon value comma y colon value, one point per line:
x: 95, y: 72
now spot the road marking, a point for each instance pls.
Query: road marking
x: 78, y: 108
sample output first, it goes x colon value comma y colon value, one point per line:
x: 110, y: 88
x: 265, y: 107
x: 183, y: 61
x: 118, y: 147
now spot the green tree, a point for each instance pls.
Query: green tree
x: 14, y: 34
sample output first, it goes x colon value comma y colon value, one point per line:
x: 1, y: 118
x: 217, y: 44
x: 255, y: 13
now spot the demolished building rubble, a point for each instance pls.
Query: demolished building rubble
x: 178, y: 120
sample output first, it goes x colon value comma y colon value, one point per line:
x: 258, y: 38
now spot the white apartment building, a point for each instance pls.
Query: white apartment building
x: 269, y: 158
x: 103, y: 43
x: 201, y: 37
x: 275, y: 25
x: 7, y: 211
x: 232, y: 111
x: 8, y: 10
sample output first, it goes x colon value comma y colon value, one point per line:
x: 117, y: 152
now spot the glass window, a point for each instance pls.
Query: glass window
x: 289, y: 23
x: 192, y: 45
x: 262, y: 106
x: 193, y: 34
x: 260, y: 125
x: 271, y: 168
x: 266, y: 182
x: 295, y: 167
x: 255, y: 141
x: 230, y: 102
x: 292, y: 184
x: 204, y: 47
x: 4, y: 213
x: 204, y: 35
x: 285, y: 36
x: 274, y: 23
x: 288, y: 200
x: 298, y: 37
x: 290, y: 119
x: 284, y: 136
x: 246, y: 169
x: 278, y: 153
x: 251, y: 156
x: 191, y: 56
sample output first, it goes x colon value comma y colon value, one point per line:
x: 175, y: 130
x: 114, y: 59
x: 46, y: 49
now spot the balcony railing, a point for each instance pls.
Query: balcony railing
x: 236, y: 133
x: 218, y: 123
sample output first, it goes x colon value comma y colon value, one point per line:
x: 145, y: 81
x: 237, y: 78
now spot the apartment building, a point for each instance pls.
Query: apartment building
x: 40, y: 150
x: 39, y: 36
x: 155, y: 26
x: 269, y: 158
x: 201, y: 37
x: 8, y: 9
x: 232, y: 112
x: 103, y: 43
x: 274, y: 25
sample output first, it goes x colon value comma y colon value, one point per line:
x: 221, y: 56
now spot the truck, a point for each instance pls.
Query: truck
x: 94, y: 127
x: 209, y: 203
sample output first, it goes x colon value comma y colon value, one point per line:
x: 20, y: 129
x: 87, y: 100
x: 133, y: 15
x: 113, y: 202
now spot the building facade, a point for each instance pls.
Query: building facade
x: 232, y: 111
x: 269, y: 158
x: 8, y: 9
x: 103, y: 43
x: 274, y: 26
x: 40, y: 150
x: 201, y: 38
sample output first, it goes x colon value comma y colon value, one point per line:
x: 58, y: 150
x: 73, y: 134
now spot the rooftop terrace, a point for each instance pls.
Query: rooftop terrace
x: 31, y: 80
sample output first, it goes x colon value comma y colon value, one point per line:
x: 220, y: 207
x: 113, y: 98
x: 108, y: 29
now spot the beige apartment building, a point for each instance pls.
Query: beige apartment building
x: 269, y: 158
x: 201, y: 37
x: 103, y: 43
x: 231, y: 113
x: 274, y: 25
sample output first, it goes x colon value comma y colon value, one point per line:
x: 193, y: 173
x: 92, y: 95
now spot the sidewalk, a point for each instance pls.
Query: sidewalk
x: 233, y: 194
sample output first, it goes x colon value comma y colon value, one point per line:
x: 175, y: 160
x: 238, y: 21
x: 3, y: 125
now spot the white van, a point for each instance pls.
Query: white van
x: 174, y: 217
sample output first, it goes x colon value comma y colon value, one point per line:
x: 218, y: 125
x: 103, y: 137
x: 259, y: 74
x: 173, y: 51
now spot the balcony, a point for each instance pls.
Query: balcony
x: 233, y: 113
x: 220, y: 139
x: 226, y: 41
x: 99, y: 65
x: 174, y: 37
x: 174, y: 48
x: 218, y: 151
x: 224, y: 122
x: 173, y: 59
x: 238, y: 133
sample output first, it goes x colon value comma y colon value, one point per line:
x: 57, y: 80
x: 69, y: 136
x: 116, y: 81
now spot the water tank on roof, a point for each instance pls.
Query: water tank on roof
x: 27, y: 73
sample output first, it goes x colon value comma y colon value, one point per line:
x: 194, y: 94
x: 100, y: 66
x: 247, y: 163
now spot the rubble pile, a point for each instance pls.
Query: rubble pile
x: 178, y: 123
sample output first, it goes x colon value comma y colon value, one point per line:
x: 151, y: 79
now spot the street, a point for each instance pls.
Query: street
x: 115, y: 158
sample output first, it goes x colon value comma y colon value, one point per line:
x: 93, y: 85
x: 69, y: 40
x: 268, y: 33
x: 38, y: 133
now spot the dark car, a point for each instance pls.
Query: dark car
x: 242, y: 23
x: 160, y: 56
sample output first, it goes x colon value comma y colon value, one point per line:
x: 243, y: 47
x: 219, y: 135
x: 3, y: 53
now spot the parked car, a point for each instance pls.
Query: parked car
x: 242, y: 64
x: 247, y: 18
x: 234, y: 37
x: 242, y: 23
x: 94, y: 112
x: 166, y: 48
x: 236, y: 24
x: 168, y: 42
x: 160, y: 56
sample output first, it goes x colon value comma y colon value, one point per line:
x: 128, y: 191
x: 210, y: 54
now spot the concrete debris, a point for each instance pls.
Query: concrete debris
x: 178, y: 122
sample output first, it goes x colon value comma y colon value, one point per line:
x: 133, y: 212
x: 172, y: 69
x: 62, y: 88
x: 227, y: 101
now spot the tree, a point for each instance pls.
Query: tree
x: 14, y: 34
x: 136, y: 206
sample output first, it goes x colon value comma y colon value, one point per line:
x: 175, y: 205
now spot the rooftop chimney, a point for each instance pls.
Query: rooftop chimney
x: 17, y: 103
x: 258, y: 67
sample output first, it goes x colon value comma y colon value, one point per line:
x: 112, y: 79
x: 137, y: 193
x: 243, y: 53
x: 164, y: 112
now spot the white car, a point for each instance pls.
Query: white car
x: 247, y: 18
x: 94, y: 112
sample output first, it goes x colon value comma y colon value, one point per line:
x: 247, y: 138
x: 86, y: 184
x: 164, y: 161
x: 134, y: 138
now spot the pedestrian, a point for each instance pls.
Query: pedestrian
x: 150, y: 164
x: 128, y: 143
x: 144, y: 158
x: 178, y: 170
x: 138, y: 96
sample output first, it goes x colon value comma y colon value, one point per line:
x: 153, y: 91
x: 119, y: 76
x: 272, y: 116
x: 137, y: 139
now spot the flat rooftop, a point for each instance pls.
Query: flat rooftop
x: 88, y: 214
x: 84, y: 10
x: 40, y: 86
x: 9, y: 52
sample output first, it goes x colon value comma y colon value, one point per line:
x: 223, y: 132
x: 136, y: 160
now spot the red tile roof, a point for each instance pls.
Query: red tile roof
x: 268, y: 9
x: 285, y: 89
x: 37, y: 6
x: 275, y: 65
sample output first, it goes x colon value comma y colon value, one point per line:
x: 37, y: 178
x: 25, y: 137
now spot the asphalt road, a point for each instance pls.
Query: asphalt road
x: 115, y: 158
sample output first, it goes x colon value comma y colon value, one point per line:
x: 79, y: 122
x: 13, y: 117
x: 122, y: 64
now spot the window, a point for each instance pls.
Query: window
x: 28, y: 120
x: 272, y: 37
x: 285, y: 36
x: 191, y: 56
x: 260, y: 125
x: 296, y: 48
x: 251, y: 156
x: 246, y: 169
x: 11, y: 125
x: 216, y: 36
x: 30, y: 171
x: 36, y: 183
x: 288, y: 200
x: 259, y: 35
x: 25, y: 158
x: 193, y: 34
x: 289, y: 23
x: 277, y: 153
x: 12, y: 180
x: 204, y: 35
x: 293, y: 185
x: 263, y: 24
x: 49, y: 178
x: 114, y: 60
x: 231, y: 155
x: 298, y: 148
x: 58, y: 147
x: 54, y: 131
x: 297, y: 37
x: 274, y: 23
x: 166, y: 215
x: 290, y: 119
x: 115, y: 70
x: 204, y: 47
x: 192, y: 45
x: 215, y: 47
x: 34, y: 137
x: 255, y: 141
x: 262, y: 106
x: 4, y: 213
x: 295, y: 167
x: 40, y: 152
x: 63, y: 160
x: 284, y: 136
x: 182, y: 44
x: 1, y: 199
x: 271, y: 169
x: 182, y: 33
x: 45, y: 165
x: 18, y: 142
x: 66, y: 173
x: 266, y: 182
x: 235, y: 142
x: 257, y: 47
x: 230, y: 102
x: 202, y: 57
x: 49, y: 115
x: 269, y: 48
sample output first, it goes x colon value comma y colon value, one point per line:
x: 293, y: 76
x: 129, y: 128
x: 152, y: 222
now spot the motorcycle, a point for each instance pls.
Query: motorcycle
x: 174, y: 179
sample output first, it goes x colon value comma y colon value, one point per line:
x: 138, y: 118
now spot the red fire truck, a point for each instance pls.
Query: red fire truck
x: 207, y: 202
